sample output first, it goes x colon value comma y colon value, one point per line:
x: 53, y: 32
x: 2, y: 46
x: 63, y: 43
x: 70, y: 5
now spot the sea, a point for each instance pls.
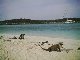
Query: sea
x: 67, y: 31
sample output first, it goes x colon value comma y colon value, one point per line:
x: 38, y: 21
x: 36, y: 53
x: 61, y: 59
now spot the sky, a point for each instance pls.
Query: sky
x: 39, y: 9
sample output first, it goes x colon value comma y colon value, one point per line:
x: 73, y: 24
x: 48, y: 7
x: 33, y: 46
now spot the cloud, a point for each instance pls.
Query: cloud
x: 39, y: 9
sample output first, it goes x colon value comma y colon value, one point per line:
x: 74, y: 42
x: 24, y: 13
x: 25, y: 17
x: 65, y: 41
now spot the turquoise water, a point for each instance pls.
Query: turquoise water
x: 71, y: 31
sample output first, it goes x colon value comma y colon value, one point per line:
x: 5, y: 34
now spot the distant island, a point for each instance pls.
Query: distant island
x: 29, y: 21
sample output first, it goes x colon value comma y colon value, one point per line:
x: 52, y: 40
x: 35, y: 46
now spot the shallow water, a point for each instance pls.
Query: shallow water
x: 71, y: 31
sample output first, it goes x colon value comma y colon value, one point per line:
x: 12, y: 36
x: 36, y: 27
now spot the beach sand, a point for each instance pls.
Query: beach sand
x: 28, y: 48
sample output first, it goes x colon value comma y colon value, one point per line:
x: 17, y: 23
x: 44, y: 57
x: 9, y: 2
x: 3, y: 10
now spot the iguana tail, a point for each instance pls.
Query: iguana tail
x: 43, y: 48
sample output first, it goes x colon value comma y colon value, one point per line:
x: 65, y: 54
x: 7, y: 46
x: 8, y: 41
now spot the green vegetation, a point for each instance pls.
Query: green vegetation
x: 29, y: 21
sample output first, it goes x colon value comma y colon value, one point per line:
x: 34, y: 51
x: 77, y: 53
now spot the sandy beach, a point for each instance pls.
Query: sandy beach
x: 28, y: 48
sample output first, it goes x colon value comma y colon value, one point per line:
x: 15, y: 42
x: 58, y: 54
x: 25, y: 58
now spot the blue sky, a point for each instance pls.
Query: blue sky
x: 39, y: 9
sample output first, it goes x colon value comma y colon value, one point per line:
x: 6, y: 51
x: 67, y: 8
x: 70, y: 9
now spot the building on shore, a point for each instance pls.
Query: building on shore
x: 69, y: 21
